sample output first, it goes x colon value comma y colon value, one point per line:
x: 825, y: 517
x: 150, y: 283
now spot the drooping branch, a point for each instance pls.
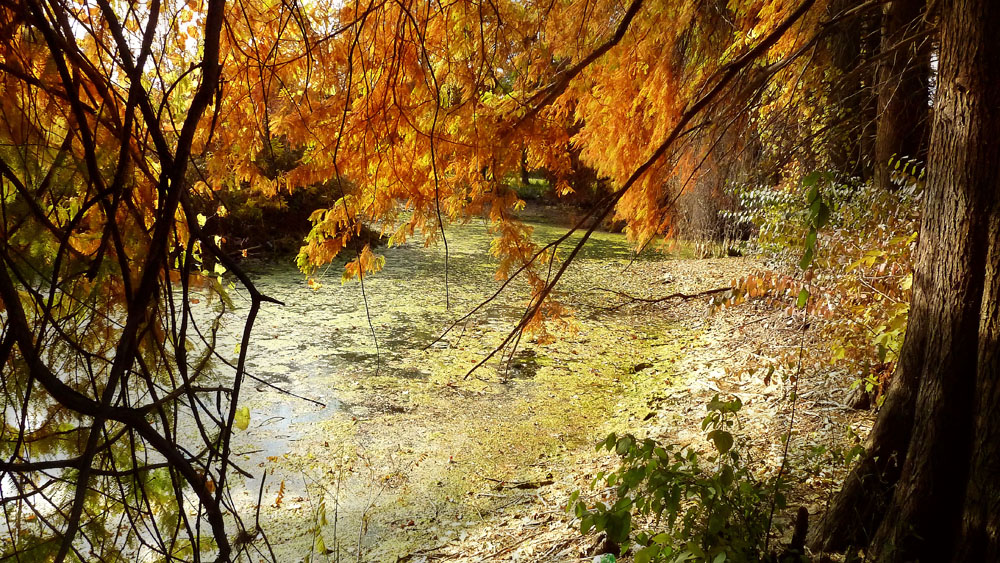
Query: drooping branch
x: 722, y: 78
x: 550, y: 93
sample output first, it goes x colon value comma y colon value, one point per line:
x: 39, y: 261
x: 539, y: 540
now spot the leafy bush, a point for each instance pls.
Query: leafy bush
x: 697, y: 508
x: 856, y: 273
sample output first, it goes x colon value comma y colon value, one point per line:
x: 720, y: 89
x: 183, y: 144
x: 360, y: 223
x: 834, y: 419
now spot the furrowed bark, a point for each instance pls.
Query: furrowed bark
x: 944, y: 500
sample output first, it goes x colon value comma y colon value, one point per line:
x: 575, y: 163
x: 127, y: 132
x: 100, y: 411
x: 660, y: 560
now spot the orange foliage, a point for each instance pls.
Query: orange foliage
x: 422, y: 109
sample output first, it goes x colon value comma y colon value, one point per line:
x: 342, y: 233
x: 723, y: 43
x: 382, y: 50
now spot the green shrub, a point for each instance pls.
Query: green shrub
x: 856, y: 275
x: 691, y: 507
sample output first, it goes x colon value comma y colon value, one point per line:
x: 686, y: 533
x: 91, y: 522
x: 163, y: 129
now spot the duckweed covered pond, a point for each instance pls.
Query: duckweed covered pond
x: 407, y: 451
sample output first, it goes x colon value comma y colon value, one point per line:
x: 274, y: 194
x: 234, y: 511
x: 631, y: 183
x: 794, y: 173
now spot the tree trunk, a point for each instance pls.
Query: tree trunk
x: 852, y: 44
x: 927, y: 489
x: 979, y: 539
x: 902, y: 84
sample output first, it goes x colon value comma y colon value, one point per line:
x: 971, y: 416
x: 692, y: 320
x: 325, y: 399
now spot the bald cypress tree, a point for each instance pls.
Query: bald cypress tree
x: 927, y: 489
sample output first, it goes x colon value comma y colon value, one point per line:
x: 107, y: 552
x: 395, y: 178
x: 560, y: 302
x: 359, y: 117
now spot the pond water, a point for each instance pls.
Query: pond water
x: 394, y: 440
x: 323, y: 338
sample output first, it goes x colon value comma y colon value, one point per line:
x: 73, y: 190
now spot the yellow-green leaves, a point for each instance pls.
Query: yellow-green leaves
x: 242, y: 418
x: 819, y: 214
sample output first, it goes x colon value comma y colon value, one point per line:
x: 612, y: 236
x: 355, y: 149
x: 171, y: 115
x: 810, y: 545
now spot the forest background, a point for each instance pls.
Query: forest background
x: 853, y: 141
